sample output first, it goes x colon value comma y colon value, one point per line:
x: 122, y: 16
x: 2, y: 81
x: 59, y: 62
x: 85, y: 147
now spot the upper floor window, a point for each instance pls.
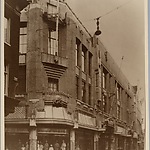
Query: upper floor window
x: 89, y: 94
x: 84, y: 50
x: 83, y: 91
x: 77, y: 52
x: 7, y: 30
x: 52, y: 9
x: 52, y: 42
x: 23, y: 40
x: 77, y: 87
x: 6, y: 79
x: 104, y: 81
x: 90, y: 63
x: 104, y: 103
x: 52, y: 84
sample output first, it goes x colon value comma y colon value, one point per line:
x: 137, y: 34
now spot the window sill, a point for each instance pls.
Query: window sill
x: 8, y: 44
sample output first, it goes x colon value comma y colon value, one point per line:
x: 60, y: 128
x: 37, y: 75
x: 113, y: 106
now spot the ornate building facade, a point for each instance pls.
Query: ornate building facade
x: 72, y: 92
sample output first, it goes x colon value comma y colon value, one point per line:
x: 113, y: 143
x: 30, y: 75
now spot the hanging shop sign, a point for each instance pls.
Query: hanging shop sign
x: 52, y: 131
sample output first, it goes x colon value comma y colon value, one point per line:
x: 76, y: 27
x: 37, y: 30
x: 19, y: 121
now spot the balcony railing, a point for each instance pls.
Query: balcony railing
x: 53, y: 59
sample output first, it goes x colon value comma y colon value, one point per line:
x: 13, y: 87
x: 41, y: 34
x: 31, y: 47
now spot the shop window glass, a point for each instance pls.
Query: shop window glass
x: 7, y: 30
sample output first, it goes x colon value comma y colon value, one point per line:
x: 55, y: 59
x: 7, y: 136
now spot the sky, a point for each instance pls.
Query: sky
x: 122, y: 24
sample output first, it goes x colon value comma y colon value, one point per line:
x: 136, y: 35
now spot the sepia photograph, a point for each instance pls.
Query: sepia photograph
x: 75, y: 75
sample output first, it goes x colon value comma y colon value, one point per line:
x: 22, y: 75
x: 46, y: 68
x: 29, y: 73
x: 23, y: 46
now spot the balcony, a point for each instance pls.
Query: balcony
x: 56, y: 60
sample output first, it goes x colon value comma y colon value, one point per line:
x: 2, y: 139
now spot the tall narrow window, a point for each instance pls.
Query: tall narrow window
x: 84, y: 51
x: 52, y: 42
x: 83, y: 91
x: 7, y: 30
x: 89, y: 94
x: 97, y: 79
x: 23, y: 40
x: 104, y: 81
x: 90, y: 63
x: 118, y: 101
x: 77, y: 52
x: 6, y: 79
x: 77, y: 87
x: 104, y: 103
x: 52, y: 84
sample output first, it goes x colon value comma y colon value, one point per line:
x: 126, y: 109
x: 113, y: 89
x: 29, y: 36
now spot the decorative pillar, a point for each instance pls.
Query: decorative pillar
x: 33, y: 138
x: 125, y: 143
x: 72, y: 140
x: 112, y: 142
x: 96, y: 141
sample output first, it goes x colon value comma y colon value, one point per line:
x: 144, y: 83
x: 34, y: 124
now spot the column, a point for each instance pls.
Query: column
x: 33, y: 138
x: 125, y: 143
x: 95, y: 141
x: 112, y: 142
x: 72, y: 139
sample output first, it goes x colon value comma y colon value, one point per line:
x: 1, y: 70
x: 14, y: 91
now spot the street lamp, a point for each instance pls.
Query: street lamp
x: 98, y: 32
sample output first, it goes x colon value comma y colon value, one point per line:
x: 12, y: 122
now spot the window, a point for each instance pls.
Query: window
x: 118, y: 100
x: 23, y: 40
x: 7, y: 30
x: 52, y: 9
x: 52, y: 42
x: 104, y: 103
x: 84, y: 50
x: 77, y: 87
x: 83, y: 91
x: 97, y: 76
x: 52, y: 84
x: 104, y: 78
x: 77, y: 52
x: 90, y: 63
x: 6, y: 79
x: 89, y: 94
x: 104, y: 81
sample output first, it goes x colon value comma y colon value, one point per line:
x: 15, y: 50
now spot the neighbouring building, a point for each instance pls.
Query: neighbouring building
x: 72, y: 92
x: 11, y: 51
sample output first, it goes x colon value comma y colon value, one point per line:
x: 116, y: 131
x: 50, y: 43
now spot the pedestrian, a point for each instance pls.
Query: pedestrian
x: 56, y: 146
x: 41, y: 146
x: 27, y: 146
x: 51, y: 147
x: 23, y: 147
x: 38, y: 145
x: 46, y: 145
x: 63, y: 145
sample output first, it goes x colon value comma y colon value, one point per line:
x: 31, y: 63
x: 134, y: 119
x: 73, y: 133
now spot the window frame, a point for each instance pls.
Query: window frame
x: 7, y: 30
x: 51, y: 83
x: 51, y: 42
x: 6, y: 79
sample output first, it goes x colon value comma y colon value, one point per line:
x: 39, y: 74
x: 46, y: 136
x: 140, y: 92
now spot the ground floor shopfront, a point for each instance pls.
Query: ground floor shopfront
x: 20, y: 138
